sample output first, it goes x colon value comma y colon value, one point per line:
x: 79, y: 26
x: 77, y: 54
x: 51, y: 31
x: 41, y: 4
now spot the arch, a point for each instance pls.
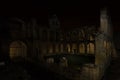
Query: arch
x: 80, y: 35
x: 61, y: 48
x: 57, y: 48
x: 90, y: 48
x: 74, y: 35
x: 18, y: 49
x: 82, y: 48
x: 68, y: 48
x: 83, y: 33
x: 50, y: 48
x: 74, y: 48
x: 44, y: 48
x: 91, y: 38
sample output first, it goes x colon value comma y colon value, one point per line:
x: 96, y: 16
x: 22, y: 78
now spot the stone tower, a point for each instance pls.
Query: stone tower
x: 54, y: 22
x: 105, y: 22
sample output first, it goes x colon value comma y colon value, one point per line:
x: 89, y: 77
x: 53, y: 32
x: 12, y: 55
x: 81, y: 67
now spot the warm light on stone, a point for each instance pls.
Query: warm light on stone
x: 18, y: 49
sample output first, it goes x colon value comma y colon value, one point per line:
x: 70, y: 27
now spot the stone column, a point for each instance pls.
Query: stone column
x: 85, y: 47
x: 47, y: 48
x: 58, y: 48
x: 99, y: 54
x: 64, y: 48
x: 54, y: 46
x: 77, y: 48
x: 70, y: 47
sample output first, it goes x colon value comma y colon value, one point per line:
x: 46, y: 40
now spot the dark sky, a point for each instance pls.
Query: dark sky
x: 71, y: 13
x: 88, y: 12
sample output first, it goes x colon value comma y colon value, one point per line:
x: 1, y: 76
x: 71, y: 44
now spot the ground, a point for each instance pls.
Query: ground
x: 113, y: 72
x: 27, y: 71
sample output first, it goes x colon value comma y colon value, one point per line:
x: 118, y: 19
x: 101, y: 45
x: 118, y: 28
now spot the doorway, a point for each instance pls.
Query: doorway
x: 18, y: 49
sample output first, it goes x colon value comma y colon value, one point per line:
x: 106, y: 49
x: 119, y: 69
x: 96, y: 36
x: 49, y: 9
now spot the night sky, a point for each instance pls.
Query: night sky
x: 70, y: 13
x: 88, y: 12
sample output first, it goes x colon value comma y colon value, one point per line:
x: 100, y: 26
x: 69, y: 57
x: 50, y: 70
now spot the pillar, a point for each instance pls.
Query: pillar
x: 65, y: 48
x: 53, y: 48
x: 77, y: 48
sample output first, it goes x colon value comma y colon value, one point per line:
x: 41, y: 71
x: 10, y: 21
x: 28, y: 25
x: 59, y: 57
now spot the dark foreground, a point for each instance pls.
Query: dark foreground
x: 25, y: 70
x: 113, y: 72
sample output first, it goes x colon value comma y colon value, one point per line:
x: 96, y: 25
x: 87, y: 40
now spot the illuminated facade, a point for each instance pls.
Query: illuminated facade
x: 70, y: 41
x: 29, y: 40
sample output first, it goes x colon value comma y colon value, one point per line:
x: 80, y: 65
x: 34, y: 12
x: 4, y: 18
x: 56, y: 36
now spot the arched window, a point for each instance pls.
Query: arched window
x: 82, y: 48
x: 68, y: 35
x: 61, y: 36
x: 83, y: 33
x: 68, y: 48
x: 74, y: 35
x: 18, y: 49
x: 80, y: 36
x: 50, y: 48
x: 57, y: 48
x: 61, y: 48
x: 105, y: 44
x: 91, y: 38
x: 74, y: 48
x: 90, y: 48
